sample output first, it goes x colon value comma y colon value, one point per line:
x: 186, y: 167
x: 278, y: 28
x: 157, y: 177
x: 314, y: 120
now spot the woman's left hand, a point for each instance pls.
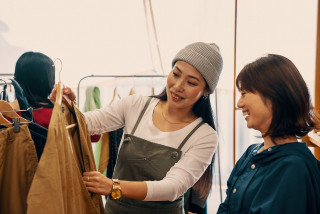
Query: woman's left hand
x: 97, y: 183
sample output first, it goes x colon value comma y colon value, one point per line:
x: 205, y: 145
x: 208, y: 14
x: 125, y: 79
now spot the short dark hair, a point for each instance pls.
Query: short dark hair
x: 202, y: 108
x: 276, y: 78
x: 35, y: 73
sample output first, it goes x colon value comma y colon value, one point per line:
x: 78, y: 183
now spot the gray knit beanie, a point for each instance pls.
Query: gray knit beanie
x: 206, y: 58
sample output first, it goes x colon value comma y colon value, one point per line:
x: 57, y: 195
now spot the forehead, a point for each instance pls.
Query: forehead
x: 188, y: 69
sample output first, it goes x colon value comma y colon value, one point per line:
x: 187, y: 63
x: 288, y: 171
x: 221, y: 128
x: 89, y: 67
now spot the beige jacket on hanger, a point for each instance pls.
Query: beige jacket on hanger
x: 57, y: 186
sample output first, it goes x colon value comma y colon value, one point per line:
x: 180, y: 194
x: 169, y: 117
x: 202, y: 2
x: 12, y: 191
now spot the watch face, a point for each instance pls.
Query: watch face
x: 116, y: 194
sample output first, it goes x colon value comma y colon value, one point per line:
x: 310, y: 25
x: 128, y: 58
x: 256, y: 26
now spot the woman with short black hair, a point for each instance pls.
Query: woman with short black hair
x: 35, y: 73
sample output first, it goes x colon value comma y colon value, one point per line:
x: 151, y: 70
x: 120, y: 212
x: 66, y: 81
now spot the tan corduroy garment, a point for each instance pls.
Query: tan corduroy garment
x: 18, y: 163
x: 57, y: 186
x: 104, y: 154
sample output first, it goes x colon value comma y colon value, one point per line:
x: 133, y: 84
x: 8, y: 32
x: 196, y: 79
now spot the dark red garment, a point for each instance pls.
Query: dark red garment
x: 42, y: 117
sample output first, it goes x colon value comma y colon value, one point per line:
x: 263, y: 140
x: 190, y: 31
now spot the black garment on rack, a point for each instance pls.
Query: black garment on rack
x: 38, y: 133
x: 189, y: 206
x: 114, y: 142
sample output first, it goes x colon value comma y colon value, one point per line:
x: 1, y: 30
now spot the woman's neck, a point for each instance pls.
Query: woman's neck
x: 268, y: 142
x: 178, y: 115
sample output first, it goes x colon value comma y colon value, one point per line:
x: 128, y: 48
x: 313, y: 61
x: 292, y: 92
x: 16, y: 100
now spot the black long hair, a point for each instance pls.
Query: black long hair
x: 35, y: 73
x: 202, y: 108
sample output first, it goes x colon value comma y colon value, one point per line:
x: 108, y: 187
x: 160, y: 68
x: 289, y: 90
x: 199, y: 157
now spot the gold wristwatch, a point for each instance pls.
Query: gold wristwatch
x: 115, y: 193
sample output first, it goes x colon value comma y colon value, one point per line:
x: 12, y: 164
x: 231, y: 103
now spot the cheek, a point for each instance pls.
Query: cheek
x: 196, y: 94
x: 169, y: 80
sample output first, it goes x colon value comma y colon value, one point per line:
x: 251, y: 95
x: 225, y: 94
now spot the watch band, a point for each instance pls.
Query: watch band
x: 116, y: 192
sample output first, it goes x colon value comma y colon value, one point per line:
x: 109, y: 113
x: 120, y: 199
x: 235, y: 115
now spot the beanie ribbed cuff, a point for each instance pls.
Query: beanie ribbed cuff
x: 206, y: 58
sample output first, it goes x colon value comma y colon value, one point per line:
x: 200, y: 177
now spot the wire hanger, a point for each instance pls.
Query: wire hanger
x: 59, y: 95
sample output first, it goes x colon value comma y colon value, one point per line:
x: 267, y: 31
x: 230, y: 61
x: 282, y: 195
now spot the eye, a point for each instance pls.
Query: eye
x: 191, y: 83
x: 243, y: 93
x: 175, y: 74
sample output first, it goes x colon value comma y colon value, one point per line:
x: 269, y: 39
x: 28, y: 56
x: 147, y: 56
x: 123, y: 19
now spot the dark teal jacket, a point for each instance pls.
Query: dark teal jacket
x: 282, y: 179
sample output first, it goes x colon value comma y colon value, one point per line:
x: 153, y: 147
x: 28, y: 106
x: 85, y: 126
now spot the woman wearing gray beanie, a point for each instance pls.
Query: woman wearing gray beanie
x: 169, y: 140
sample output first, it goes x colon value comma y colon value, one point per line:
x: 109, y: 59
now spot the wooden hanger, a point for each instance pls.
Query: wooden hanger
x: 152, y: 91
x: 7, y: 110
x: 132, y: 91
x: 115, y: 94
x: 4, y: 121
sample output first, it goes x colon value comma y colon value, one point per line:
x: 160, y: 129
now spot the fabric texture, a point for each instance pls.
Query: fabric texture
x: 39, y: 137
x: 57, y: 186
x: 41, y: 116
x: 141, y: 160
x: 206, y: 58
x: 115, y: 138
x: 101, y: 155
x: 282, y: 179
x: 196, y: 153
x: 104, y: 154
x: 18, y: 163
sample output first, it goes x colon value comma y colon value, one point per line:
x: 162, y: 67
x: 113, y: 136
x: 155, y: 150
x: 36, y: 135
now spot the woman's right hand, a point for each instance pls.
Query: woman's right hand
x: 66, y: 91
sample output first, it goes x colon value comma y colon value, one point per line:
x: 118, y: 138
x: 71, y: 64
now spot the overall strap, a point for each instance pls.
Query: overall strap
x: 141, y: 115
x: 189, y: 135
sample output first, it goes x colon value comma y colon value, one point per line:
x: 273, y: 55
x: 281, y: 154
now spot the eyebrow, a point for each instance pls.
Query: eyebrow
x: 193, y: 77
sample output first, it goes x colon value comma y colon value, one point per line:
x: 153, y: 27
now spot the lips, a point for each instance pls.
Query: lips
x: 246, y: 114
x: 176, y: 97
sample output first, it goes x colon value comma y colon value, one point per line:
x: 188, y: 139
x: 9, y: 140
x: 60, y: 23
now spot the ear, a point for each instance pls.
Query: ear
x: 206, y: 92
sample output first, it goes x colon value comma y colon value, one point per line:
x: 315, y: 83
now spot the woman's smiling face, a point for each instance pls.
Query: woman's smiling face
x: 185, y: 86
x: 256, y: 109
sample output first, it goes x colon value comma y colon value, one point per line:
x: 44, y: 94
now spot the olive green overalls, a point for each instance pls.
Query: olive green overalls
x: 142, y: 160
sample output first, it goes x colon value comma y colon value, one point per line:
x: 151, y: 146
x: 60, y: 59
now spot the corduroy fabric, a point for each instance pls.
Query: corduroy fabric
x: 57, y: 186
x: 206, y: 58
x: 18, y: 164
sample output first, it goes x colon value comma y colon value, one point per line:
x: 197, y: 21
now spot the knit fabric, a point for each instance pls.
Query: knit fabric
x: 206, y: 58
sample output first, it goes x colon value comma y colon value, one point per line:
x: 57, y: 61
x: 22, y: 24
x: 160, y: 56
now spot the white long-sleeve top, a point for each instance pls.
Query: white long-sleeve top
x: 196, y: 153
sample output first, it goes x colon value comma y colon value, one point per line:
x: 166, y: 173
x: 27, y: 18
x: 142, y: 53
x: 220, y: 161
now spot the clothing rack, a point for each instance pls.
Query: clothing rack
x: 113, y: 76
x: 6, y: 74
x: 4, y: 81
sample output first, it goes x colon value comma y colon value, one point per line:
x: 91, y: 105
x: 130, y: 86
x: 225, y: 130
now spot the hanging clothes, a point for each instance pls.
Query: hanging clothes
x: 57, y: 186
x: 18, y: 163
x: 115, y: 138
x: 38, y: 132
x: 101, y: 148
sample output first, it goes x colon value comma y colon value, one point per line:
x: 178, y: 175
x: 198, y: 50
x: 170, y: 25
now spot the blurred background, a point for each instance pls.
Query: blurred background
x: 140, y: 37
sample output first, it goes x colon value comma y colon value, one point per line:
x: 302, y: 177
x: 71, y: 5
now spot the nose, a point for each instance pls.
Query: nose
x: 179, y: 85
x: 240, y: 103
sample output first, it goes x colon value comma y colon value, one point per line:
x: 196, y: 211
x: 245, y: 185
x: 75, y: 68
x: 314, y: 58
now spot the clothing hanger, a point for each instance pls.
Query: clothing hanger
x: 4, y: 121
x: 132, y: 91
x: 7, y: 110
x: 115, y: 94
x: 59, y: 96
